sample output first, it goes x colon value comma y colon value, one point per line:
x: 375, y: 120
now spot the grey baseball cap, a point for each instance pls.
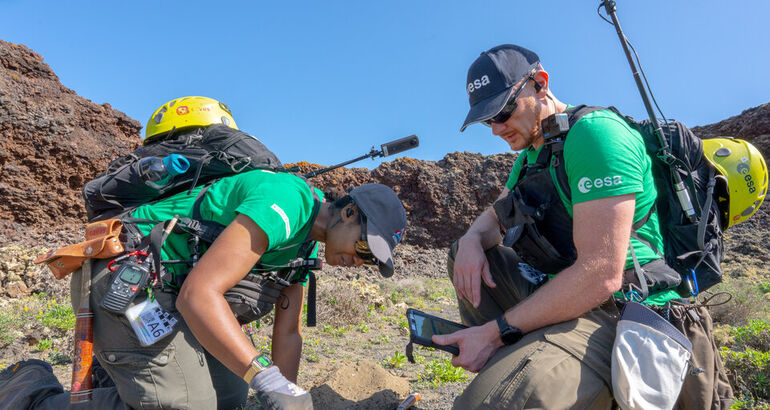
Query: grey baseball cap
x: 385, y: 221
x: 491, y: 79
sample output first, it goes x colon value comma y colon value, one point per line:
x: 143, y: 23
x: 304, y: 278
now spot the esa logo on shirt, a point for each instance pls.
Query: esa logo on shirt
x: 585, y: 185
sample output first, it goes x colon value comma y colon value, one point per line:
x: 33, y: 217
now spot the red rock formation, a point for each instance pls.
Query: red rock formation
x: 52, y: 141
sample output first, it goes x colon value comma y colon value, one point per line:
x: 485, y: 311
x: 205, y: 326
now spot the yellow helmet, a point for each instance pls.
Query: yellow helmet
x: 746, y: 172
x: 187, y: 112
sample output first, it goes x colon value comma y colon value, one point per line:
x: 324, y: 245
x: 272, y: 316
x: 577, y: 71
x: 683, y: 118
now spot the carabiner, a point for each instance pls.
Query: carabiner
x: 125, y: 256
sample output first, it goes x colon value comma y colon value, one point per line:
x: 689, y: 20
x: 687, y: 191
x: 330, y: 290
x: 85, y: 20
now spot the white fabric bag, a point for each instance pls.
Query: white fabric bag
x: 649, y: 360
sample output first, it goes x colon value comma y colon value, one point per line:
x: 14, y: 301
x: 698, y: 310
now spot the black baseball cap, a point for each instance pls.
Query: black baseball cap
x: 491, y: 79
x: 385, y: 221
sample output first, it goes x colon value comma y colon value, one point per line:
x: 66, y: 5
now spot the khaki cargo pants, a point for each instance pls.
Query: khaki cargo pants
x: 567, y: 365
x: 174, y: 373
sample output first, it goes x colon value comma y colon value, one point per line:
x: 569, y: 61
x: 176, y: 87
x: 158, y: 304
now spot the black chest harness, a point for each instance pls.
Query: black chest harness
x: 538, y: 226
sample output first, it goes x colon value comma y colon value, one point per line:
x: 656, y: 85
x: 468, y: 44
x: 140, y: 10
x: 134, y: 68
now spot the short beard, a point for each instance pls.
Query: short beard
x: 537, y: 131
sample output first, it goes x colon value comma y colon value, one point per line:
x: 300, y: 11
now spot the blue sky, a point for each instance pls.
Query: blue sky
x: 324, y: 81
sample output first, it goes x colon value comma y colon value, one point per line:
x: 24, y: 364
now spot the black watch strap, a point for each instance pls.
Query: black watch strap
x: 508, y: 334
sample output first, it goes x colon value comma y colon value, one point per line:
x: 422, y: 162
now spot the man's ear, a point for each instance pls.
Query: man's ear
x: 541, y: 81
x: 349, y: 212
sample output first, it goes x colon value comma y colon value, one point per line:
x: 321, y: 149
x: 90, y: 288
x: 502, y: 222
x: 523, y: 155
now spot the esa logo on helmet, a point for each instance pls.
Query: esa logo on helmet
x: 586, y: 184
x: 478, y: 83
x: 744, y: 169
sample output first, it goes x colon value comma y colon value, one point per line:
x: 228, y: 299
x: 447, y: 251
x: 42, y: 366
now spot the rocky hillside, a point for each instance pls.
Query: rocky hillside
x: 752, y: 125
x: 53, y: 141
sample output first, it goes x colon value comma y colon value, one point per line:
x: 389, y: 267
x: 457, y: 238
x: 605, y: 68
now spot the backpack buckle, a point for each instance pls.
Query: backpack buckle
x: 665, y: 156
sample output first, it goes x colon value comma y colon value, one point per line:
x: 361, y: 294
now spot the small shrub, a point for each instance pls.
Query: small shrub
x: 335, y: 331
x: 60, y: 317
x: 5, y: 329
x: 441, y: 371
x: 397, y: 360
x: 43, y: 345
x: 381, y: 339
x: 397, y: 296
x: 755, y: 335
x: 745, y: 401
x: 363, y: 328
x: 57, y: 358
x: 750, y: 370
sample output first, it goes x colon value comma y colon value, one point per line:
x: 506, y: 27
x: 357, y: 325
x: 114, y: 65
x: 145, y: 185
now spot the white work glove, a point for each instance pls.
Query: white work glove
x: 275, y: 392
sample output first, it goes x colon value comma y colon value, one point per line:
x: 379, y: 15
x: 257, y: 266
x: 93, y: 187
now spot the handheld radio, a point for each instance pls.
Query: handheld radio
x: 129, y: 279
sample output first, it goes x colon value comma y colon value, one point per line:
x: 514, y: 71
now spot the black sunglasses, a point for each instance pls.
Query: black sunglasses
x: 508, y: 108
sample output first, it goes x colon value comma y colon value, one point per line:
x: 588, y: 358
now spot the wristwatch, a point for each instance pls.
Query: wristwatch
x: 257, y: 366
x: 508, y: 334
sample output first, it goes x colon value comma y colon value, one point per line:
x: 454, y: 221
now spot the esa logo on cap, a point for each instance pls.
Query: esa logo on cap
x: 478, y: 83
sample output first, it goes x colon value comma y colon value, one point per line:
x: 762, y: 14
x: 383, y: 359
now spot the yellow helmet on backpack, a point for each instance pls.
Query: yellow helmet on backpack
x: 187, y: 112
x: 746, y: 172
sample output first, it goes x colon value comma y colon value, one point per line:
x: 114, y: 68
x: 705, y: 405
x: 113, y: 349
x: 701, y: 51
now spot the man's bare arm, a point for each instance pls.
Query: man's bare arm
x: 601, y: 232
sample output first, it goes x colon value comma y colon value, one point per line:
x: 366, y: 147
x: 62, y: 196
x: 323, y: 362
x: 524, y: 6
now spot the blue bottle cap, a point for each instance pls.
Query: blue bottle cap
x: 176, y: 164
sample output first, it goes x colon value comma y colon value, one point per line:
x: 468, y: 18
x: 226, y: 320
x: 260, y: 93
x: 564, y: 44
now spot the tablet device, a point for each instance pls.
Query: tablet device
x: 422, y: 326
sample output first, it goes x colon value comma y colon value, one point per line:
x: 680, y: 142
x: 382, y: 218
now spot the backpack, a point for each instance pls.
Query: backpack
x: 214, y: 152
x: 693, y: 248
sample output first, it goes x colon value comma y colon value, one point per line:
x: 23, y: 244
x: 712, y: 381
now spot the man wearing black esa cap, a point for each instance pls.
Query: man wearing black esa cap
x: 579, y: 225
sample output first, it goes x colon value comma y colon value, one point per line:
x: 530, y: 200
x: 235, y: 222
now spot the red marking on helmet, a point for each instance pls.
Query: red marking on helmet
x: 182, y: 110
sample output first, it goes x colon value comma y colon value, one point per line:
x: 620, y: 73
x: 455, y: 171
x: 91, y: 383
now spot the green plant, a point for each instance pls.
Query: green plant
x: 745, y: 401
x: 44, y: 345
x: 363, y: 328
x: 396, y: 296
x: 441, y: 371
x: 399, y: 294
x: 370, y: 311
x: 5, y: 329
x: 335, y: 331
x: 397, y: 360
x: 57, y: 358
x: 60, y: 317
x: 751, y: 369
x: 764, y: 287
x: 755, y: 335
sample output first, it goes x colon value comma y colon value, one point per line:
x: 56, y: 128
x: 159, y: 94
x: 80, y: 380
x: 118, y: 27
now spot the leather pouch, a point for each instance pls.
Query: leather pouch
x: 102, y: 242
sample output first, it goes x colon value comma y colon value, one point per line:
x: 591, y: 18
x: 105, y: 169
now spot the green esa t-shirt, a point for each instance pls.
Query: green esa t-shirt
x: 280, y: 203
x: 605, y: 157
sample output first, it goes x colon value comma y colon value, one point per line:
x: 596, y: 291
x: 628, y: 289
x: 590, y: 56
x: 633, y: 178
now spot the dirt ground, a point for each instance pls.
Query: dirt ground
x: 354, y: 357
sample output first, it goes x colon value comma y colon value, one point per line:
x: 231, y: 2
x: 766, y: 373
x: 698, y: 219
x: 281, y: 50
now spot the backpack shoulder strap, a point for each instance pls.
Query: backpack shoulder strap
x: 556, y: 140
